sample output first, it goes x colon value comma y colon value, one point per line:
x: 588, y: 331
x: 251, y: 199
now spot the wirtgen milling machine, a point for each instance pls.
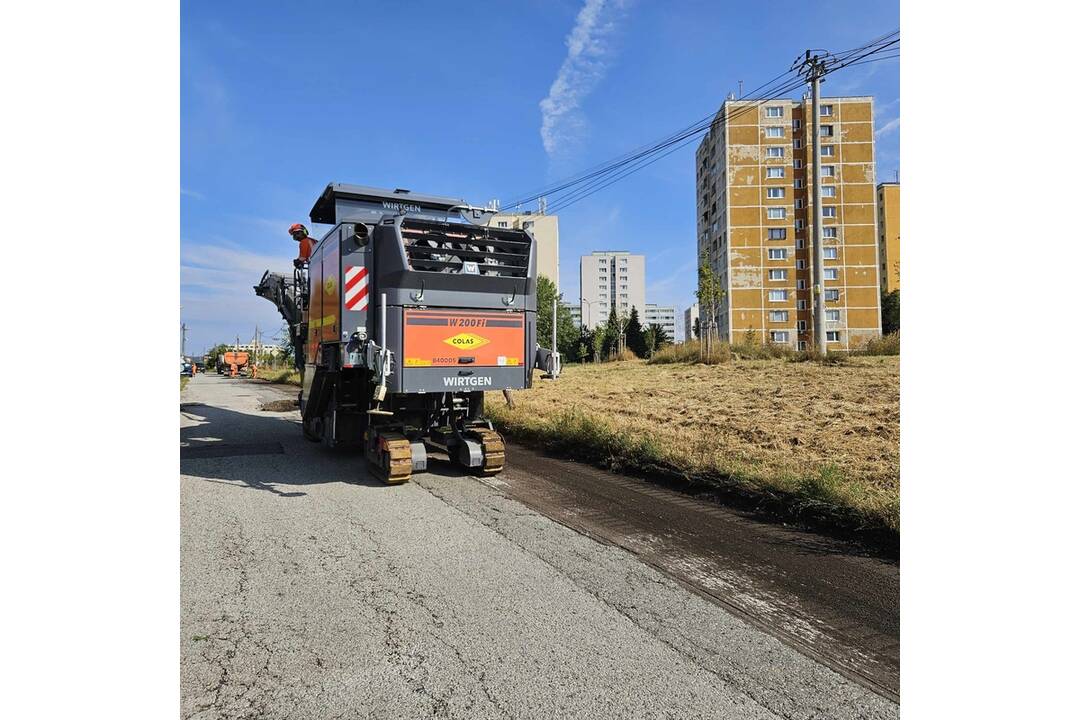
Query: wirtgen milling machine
x: 410, y: 308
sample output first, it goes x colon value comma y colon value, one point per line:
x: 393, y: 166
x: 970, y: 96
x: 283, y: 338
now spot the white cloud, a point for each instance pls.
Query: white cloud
x: 888, y: 127
x: 587, y: 59
x: 192, y: 194
x: 216, y: 291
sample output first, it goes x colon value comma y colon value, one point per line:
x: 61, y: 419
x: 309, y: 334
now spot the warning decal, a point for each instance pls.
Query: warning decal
x: 356, y: 287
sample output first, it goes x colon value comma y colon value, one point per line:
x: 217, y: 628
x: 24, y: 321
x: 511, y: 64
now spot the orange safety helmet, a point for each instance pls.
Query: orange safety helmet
x: 298, y: 228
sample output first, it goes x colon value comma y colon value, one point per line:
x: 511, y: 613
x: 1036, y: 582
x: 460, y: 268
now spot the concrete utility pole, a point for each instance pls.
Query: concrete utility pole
x: 183, y: 339
x: 813, y: 68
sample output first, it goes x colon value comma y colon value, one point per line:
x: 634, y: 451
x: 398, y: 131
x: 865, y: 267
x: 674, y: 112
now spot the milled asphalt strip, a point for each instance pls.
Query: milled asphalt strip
x: 737, y: 654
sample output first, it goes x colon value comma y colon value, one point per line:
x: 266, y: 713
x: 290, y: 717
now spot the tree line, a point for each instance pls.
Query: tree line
x: 604, y: 342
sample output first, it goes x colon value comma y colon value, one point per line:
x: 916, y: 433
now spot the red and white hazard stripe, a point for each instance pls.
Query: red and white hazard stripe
x: 356, y: 287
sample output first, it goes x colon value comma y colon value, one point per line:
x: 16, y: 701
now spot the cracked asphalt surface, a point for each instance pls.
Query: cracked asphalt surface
x: 309, y: 590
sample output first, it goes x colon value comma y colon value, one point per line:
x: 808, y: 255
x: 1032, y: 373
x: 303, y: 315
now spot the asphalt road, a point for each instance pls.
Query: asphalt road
x: 309, y: 590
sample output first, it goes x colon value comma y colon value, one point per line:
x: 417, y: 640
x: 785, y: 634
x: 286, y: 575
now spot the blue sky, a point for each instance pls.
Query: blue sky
x: 478, y: 100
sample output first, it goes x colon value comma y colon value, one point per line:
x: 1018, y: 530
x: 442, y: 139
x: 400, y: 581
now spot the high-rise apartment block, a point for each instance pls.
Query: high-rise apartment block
x: 755, y: 220
x: 662, y: 315
x: 611, y: 279
x: 888, y: 210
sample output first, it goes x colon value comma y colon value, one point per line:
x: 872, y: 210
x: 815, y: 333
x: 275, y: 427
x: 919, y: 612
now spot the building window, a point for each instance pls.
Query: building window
x: 829, y: 212
x: 774, y: 131
x: 775, y: 192
x: 796, y: 124
x: 827, y: 150
x: 829, y: 232
x: 777, y: 233
x: 799, y: 203
x: 800, y: 243
x: 828, y: 191
x: 801, y: 304
x: 774, y: 151
x: 775, y: 275
x: 798, y: 164
x: 800, y: 284
x: 800, y: 224
x: 778, y: 316
x: 779, y: 336
x: 828, y: 171
x: 826, y: 110
x: 800, y: 264
x: 801, y: 325
x: 777, y: 213
x: 777, y: 254
x: 774, y: 172
x: 774, y: 111
x: 832, y: 335
x: 802, y: 344
x: 826, y: 131
x: 832, y: 274
x: 503, y: 223
x: 830, y: 253
x: 832, y: 316
x: 832, y: 295
x: 603, y: 287
x: 798, y: 144
x: 799, y: 183
x: 777, y: 295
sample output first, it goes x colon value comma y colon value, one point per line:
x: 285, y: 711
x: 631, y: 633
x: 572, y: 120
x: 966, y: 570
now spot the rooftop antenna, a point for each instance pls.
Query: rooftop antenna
x: 740, y: 89
x: 542, y: 205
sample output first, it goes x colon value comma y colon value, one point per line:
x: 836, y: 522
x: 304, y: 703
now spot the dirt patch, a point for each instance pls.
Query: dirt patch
x: 280, y: 405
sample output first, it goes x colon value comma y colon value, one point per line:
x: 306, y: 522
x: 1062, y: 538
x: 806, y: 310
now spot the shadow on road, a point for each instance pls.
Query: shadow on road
x: 263, y: 452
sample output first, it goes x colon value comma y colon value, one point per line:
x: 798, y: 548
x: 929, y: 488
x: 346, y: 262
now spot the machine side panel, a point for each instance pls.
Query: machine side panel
x: 330, y: 290
x: 315, y: 306
x: 461, y: 338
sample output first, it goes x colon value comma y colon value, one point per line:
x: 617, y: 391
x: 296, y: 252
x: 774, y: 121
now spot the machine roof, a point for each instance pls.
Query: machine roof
x: 324, y: 210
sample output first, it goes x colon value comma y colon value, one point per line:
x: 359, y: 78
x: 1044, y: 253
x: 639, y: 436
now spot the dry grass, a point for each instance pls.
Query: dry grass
x: 184, y: 380
x: 284, y: 375
x: 813, y: 433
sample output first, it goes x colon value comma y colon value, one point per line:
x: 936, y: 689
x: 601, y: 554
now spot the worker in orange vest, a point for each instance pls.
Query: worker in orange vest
x: 300, y: 234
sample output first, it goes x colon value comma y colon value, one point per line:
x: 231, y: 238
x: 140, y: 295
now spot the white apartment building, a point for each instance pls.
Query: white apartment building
x: 662, y: 315
x: 575, y: 315
x: 690, y: 319
x: 611, y: 279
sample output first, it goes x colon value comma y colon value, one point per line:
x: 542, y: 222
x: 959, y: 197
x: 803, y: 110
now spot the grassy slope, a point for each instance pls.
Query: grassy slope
x: 814, y: 436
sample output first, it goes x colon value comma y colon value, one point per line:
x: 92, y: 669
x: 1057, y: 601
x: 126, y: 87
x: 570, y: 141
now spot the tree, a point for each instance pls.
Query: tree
x: 567, y: 335
x: 890, y: 312
x: 613, y: 334
x: 656, y: 337
x: 635, y: 338
x: 599, y: 342
x: 710, y: 295
x: 697, y: 328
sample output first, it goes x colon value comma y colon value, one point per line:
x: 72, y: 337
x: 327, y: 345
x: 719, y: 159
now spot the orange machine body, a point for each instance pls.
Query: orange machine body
x: 463, y: 337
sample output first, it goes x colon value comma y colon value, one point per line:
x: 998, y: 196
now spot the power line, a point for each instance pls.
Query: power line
x: 610, y: 165
x: 591, y: 180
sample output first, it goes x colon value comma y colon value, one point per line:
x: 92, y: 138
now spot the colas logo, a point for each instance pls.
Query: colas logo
x: 466, y: 341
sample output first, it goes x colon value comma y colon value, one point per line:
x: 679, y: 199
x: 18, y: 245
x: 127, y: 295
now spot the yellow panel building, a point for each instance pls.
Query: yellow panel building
x: 755, y: 217
x: 888, y: 207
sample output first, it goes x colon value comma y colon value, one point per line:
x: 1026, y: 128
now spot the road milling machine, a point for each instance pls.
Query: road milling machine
x: 409, y: 309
